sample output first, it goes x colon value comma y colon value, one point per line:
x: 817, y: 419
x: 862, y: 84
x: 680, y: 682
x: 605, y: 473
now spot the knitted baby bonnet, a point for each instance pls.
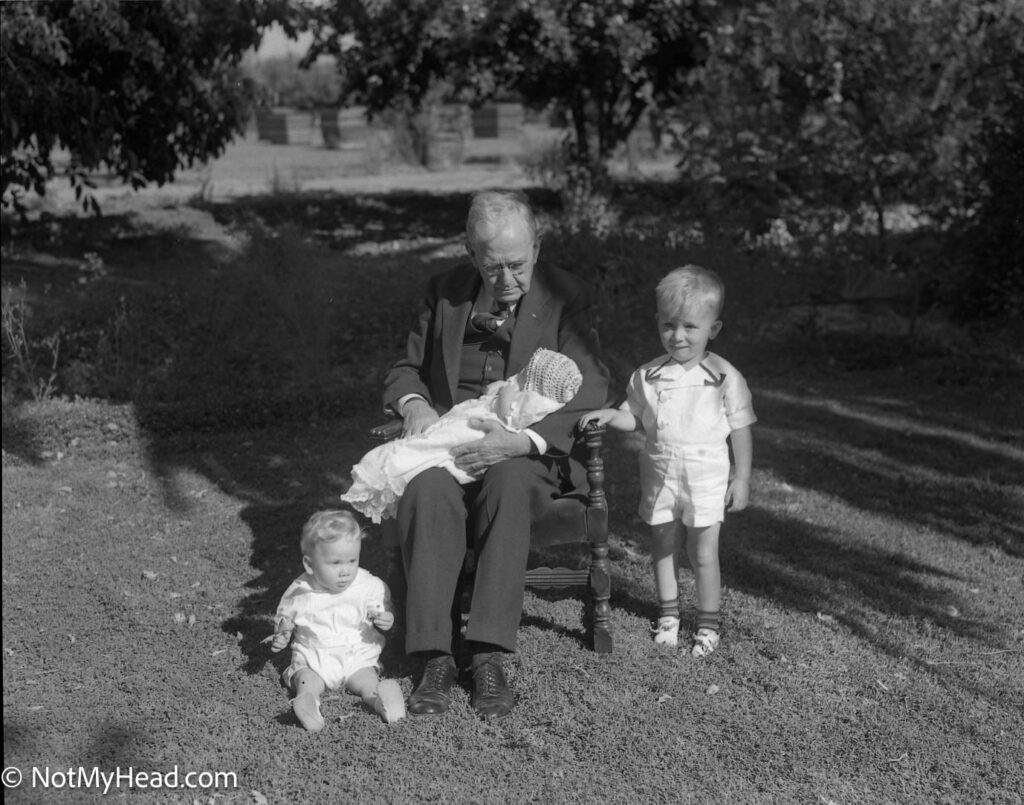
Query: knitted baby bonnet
x: 552, y: 375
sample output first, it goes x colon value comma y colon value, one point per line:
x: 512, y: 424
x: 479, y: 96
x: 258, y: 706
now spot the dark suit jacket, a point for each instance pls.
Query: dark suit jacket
x: 556, y: 314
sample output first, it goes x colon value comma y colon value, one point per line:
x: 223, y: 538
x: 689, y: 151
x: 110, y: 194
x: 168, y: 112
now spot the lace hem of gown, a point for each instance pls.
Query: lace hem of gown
x: 373, y: 494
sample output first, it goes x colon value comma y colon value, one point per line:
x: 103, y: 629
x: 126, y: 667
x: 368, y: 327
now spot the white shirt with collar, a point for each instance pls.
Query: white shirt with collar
x: 680, y: 407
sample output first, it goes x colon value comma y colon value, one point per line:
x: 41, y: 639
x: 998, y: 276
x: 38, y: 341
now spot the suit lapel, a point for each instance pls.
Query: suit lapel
x: 455, y: 310
x: 535, y: 309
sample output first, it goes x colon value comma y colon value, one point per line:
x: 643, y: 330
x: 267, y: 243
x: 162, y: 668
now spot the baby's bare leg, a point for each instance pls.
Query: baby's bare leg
x: 384, y: 697
x: 308, y: 687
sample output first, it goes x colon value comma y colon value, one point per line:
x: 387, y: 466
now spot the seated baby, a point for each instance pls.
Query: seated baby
x: 548, y: 382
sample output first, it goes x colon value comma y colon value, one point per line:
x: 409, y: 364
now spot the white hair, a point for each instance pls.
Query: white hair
x: 490, y: 208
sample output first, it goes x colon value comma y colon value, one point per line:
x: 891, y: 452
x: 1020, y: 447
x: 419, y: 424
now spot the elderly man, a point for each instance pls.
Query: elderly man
x: 481, y: 323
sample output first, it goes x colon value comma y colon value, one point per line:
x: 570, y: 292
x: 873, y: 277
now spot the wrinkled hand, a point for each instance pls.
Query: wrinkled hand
x: 417, y: 416
x: 737, y: 495
x: 496, y: 445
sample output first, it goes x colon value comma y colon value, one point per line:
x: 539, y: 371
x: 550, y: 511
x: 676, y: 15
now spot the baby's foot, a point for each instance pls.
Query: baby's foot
x: 306, y: 707
x: 704, y: 643
x: 666, y: 633
x: 389, y: 702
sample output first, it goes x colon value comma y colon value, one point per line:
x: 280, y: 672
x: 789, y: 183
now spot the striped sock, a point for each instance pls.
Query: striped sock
x: 670, y: 608
x: 708, y: 620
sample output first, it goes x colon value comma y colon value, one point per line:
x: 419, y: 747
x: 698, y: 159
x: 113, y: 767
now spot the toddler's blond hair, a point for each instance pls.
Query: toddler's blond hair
x: 691, y: 284
x: 328, y: 526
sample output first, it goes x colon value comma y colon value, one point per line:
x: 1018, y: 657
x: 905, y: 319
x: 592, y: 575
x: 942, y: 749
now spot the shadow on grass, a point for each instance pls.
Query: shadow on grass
x: 946, y: 478
x: 274, y: 384
x: 890, y: 478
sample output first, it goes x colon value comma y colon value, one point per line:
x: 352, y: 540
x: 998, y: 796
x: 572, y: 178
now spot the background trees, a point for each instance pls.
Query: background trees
x: 138, y: 89
x: 850, y: 107
x: 603, y: 62
x: 855, y: 102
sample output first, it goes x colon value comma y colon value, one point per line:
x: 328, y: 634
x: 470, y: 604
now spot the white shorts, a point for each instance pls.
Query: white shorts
x: 334, y: 665
x: 684, y: 483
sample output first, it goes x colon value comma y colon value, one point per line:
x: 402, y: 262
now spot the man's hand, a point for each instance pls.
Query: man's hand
x: 496, y: 445
x: 417, y: 416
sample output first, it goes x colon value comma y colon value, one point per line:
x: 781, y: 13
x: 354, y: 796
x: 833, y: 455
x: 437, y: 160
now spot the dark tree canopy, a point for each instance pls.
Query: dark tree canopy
x: 139, y: 89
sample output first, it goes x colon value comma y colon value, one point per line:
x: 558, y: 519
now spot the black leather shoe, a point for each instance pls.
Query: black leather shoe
x: 433, y: 694
x: 491, y: 695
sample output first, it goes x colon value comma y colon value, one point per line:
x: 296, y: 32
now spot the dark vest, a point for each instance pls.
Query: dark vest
x: 484, y: 355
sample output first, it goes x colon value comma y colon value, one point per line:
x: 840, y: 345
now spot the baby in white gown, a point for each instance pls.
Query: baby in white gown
x: 547, y: 383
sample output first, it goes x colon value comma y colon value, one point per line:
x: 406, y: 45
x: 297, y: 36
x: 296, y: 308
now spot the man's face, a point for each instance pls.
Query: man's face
x: 505, y: 255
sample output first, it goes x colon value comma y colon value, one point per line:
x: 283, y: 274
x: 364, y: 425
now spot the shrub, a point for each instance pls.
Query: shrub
x: 30, y: 360
x: 991, y: 285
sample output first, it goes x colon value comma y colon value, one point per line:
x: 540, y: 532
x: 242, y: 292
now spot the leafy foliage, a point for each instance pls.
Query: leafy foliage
x: 140, y: 89
x: 852, y: 104
x: 603, y: 61
x: 994, y: 241
x: 281, y: 81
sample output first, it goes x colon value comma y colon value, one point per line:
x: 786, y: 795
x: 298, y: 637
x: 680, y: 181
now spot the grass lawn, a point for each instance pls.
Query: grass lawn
x: 873, y: 642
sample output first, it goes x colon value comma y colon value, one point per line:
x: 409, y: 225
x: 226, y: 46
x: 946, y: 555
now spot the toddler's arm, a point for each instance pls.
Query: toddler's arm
x: 738, y: 494
x: 614, y: 418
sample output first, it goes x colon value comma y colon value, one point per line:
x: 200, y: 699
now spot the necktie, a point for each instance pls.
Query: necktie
x: 490, y: 322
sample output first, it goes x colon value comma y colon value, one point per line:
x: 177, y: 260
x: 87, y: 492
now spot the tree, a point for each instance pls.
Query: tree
x: 853, y: 102
x: 604, y: 61
x: 993, y: 240
x: 139, y: 89
x: 399, y: 58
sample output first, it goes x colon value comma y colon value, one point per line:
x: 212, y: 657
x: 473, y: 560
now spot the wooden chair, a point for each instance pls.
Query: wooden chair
x: 576, y: 518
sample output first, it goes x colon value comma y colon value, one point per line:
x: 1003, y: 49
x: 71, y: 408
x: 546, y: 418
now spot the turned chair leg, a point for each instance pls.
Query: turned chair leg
x: 600, y: 581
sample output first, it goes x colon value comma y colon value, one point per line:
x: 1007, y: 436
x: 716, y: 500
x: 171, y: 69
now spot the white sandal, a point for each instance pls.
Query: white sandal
x: 704, y: 643
x: 666, y: 633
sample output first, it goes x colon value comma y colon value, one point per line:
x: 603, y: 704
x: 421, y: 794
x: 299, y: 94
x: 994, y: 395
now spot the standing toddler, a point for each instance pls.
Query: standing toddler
x: 690, y: 404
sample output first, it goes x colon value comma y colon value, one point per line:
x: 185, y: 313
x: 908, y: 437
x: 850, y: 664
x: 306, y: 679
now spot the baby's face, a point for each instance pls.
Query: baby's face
x: 333, y: 564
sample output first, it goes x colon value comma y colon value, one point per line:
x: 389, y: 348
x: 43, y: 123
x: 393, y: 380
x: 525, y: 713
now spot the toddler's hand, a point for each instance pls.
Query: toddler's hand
x: 601, y: 417
x: 380, y: 617
x: 738, y: 495
x: 283, y: 628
